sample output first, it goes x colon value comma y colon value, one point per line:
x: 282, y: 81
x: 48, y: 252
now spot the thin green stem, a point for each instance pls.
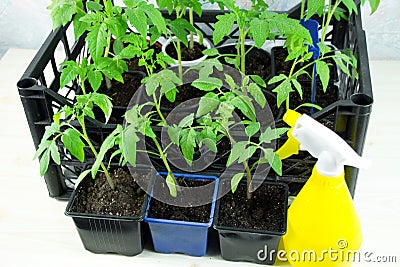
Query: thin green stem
x: 83, y: 87
x: 248, y: 173
x: 86, y: 137
x: 303, y: 5
x: 191, y: 42
x: 180, y: 71
x: 290, y: 75
x: 164, y: 158
x: 157, y: 105
x: 329, y: 18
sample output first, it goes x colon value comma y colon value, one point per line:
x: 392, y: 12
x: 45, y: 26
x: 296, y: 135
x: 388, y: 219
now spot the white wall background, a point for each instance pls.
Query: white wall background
x: 26, y: 24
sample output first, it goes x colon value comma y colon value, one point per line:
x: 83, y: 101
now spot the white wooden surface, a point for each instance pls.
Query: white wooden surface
x: 35, y: 232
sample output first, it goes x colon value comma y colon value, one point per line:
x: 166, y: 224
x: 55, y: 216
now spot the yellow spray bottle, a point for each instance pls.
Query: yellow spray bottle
x: 323, y: 227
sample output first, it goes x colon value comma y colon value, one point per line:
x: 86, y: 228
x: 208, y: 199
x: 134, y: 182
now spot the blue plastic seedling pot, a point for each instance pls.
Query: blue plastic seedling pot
x: 171, y: 236
x: 312, y: 26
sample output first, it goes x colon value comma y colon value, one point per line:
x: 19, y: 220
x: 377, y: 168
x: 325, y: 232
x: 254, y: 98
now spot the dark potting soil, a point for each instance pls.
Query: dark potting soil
x: 95, y: 196
x: 257, y: 61
x: 161, y: 210
x: 283, y: 67
x: 122, y: 93
x: 185, y: 92
x: 187, y: 53
x: 265, y: 211
x: 321, y: 99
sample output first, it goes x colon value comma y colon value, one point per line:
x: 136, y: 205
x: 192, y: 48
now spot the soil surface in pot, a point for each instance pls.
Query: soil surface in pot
x: 122, y: 93
x: 187, y: 53
x: 257, y: 61
x: 321, y: 99
x: 162, y: 210
x: 185, y: 92
x: 95, y: 196
x: 283, y: 67
x: 265, y: 211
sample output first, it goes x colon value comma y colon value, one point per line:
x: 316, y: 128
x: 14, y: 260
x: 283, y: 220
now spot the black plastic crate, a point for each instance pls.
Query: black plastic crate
x: 41, y: 98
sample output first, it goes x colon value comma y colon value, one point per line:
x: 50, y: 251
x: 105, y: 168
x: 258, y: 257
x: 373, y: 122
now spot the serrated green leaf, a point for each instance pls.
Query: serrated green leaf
x: 207, y: 105
x: 44, y: 145
x: 314, y: 6
x: 211, y: 52
x: 44, y: 162
x: 248, y: 153
x: 256, y: 92
x: 55, y: 155
x: 104, y: 103
x: 244, y: 104
x: 278, y: 78
x: 237, y: 149
x: 323, y: 73
x: 180, y: 27
x: 73, y: 143
x: 252, y: 128
x: 62, y: 12
x: 138, y: 20
x: 259, y: 30
x: 236, y: 180
x: 297, y: 85
x: 187, y: 144
x: 167, y: 79
x: 271, y: 134
x: 283, y: 90
x: 186, y: 121
x: 95, y: 78
x: 97, y: 41
x: 342, y: 66
x: 174, y: 134
x: 68, y: 74
x: 155, y: 17
x: 171, y: 95
x: 273, y: 160
x: 223, y: 26
x: 207, y: 85
x: 80, y: 27
x: 171, y: 185
x: 129, y: 52
x: 210, y: 144
x: 105, y: 146
x: 129, y: 140
x: 351, y: 6
x: 258, y: 80
x: 94, y: 6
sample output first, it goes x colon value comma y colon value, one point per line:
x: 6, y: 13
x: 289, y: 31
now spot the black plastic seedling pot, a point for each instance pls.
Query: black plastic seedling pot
x: 259, y: 246
x: 109, y: 234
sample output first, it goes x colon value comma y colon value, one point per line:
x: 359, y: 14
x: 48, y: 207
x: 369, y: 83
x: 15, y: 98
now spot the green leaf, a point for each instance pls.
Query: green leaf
x: 171, y: 95
x: 72, y: 141
x: 283, y: 90
x: 244, y: 104
x: 105, y: 146
x: 273, y: 160
x: 80, y: 27
x: 248, y: 153
x: 95, y: 78
x: 238, y: 149
x: 351, y: 6
x: 342, y: 66
x: 309, y: 105
x: 297, y: 85
x: 55, y: 154
x: 104, y: 103
x: 208, y: 85
x: 44, y: 162
x: 314, y: 6
x: 259, y: 30
x: 236, y: 180
x: 188, y: 143
x: 129, y: 52
x: 81, y: 177
x: 271, y: 134
x: 97, y: 41
x: 44, y: 145
x: 129, y: 140
x: 174, y: 133
x: 186, y: 121
x: 256, y: 92
x: 68, y: 74
x: 167, y: 79
x: 210, y: 144
x: 171, y: 185
x: 207, y: 105
x: 223, y: 26
x: 211, y: 52
x: 323, y: 73
x: 180, y: 27
x: 276, y: 79
x: 62, y: 12
x: 94, y: 6
x: 258, y: 80
x: 155, y: 17
x: 138, y: 20
x: 374, y: 4
x: 252, y: 128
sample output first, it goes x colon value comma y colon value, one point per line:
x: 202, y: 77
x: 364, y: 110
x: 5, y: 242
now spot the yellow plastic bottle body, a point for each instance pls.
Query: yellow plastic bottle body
x: 323, y: 227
